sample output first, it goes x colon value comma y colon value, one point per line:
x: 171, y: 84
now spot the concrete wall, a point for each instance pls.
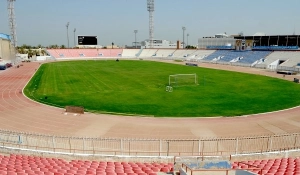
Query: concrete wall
x: 242, y: 172
x: 7, y: 52
x: 1, y: 56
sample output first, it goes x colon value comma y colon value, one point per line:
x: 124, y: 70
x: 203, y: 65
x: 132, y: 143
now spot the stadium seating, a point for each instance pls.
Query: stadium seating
x: 115, y: 52
x: 183, y: 53
x: 88, y: 52
x: 291, y: 58
x: 32, y: 165
x: 163, y: 53
x: 77, y: 53
x: 130, y: 53
x: 59, y: 53
x: 148, y: 53
x: 252, y: 56
x: 247, y: 57
x: 200, y: 54
x: 284, y: 166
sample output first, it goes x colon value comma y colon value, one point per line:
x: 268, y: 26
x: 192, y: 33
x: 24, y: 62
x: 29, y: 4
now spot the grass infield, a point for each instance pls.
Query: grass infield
x: 139, y: 88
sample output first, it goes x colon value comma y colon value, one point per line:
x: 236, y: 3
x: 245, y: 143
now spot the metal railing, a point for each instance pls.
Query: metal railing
x: 149, y: 147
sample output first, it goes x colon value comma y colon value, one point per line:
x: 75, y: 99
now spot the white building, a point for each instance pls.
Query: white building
x: 218, y: 41
x: 160, y: 44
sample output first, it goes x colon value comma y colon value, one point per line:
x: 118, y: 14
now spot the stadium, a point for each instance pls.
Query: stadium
x: 41, y: 138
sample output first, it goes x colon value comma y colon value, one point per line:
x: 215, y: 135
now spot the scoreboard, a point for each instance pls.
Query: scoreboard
x: 87, y: 40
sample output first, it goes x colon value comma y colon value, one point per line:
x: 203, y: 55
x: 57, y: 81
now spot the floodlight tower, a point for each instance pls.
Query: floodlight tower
x: 67, y: 25
x: 12, y: 22
x: 187, y: 39
x: 135, y: 32
x: 150, y: 8
x: 74, y: 37
x: 183, y: 44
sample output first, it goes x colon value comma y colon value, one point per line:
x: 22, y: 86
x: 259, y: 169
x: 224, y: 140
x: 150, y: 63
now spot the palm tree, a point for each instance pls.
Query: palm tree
x: 21, y: 50
x: 43, y: 52
x: 26, y: 46
x: 53, y: 46
x: 35, y: 52
x: 30, y: 53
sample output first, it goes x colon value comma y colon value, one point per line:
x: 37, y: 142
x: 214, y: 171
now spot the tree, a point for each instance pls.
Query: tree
x: 39, y: 46
x: 24, y: 46
x: 62, y: 46
x: 35, y: 52
x: 43, y: 52
x: 30, y: 53
x: 21, y: 50
x: 190, y: 47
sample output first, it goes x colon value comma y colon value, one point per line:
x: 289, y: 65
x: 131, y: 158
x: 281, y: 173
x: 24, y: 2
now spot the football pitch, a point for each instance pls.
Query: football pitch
x: 139, y: 88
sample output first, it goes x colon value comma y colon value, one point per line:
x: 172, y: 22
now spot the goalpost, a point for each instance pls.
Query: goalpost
x: 183, y: 80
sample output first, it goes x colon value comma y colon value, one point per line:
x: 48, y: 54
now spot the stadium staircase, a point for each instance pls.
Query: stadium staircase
x: 139, y: 53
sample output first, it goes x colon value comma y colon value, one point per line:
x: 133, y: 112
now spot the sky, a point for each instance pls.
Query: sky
x: 44, y: 21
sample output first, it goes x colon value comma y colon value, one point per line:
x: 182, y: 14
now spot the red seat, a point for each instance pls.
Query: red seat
x: 272, y: 171
x: 155, y: 169
x: 148, y: 171
x: 121, y: 174
x: 136, y: 168
x: 58, y: 173
x: 137, y: 171
x: 145, y: 168
x: 99, y: 173
x: 111, y: 173
x: 164, y: 169
x: 279, y: 173
x: 128, y: 171
x: 49, y: 173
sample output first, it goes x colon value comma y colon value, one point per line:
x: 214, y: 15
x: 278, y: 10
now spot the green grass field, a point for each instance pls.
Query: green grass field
x: 139, y: 88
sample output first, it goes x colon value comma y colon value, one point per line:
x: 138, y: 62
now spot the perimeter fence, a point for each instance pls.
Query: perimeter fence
x: 149, y: 147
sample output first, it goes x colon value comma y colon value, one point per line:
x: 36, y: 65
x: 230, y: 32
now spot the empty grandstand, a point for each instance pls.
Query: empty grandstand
x: 84, y: 53
x: 247, y: 57
x: 266, y: 59
x: 281, y: 59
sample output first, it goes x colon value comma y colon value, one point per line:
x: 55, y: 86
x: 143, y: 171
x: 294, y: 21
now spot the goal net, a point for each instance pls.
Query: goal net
x: 183, y: 80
